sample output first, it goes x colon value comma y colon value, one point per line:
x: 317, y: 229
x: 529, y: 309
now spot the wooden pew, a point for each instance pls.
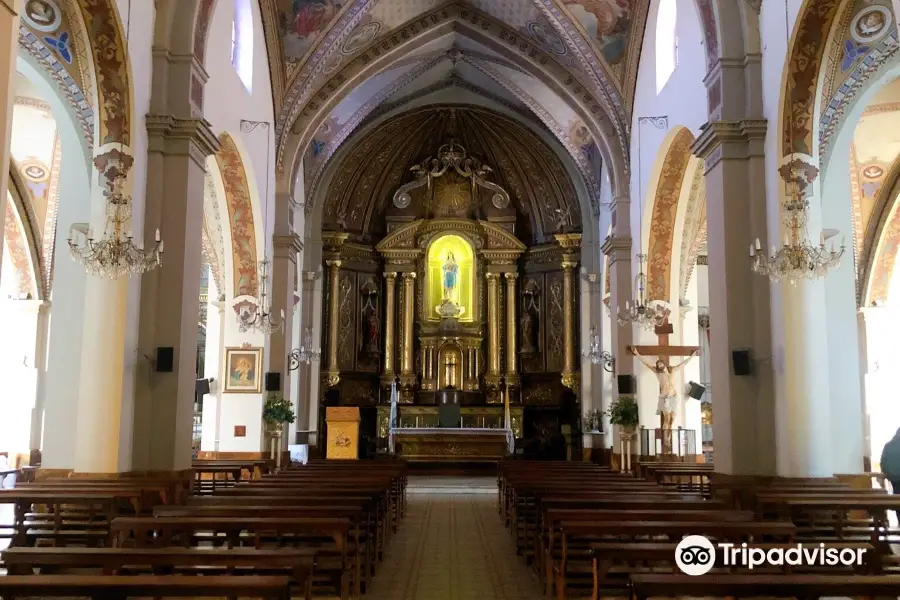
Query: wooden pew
x: 297, y: 562
x: 761, y: 586
x: 160, y: 532
x: 120, y: 587
x: 614, y: 562
x: 721, y: 531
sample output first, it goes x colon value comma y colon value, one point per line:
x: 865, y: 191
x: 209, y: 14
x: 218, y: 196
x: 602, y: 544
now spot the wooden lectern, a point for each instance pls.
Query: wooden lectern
x: 343, y: 432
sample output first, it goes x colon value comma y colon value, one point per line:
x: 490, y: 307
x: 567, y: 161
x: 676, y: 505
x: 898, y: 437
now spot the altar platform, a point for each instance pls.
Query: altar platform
x: 451, y: 445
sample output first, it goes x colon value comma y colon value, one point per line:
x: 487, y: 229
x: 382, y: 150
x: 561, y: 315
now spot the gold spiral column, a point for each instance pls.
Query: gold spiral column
x: 512, y: 371
x: 570, y: 243
x: 407, y: 377
x: 390, y: 286
x: 332, y: 373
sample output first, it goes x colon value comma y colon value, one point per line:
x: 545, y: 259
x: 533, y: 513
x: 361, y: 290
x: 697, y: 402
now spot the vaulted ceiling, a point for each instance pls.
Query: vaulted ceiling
x: 570, y: 64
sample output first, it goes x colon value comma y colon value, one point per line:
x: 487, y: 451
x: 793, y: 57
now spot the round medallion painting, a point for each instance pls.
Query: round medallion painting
x: 870, y: 23
x: 360, y: 36
x: 872, y: 171
x: 35, y: 171
x: 547, y: 37
x: 43, y: 15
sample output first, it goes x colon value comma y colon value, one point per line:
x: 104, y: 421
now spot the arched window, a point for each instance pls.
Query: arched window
x: 242, y: 42
x: 666, y: 43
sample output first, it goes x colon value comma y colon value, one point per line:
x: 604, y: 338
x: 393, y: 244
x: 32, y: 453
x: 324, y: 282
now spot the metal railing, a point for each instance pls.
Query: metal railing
x: 668, y: 442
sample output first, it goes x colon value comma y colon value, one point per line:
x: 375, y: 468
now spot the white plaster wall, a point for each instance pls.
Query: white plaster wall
x: 227, y: 102
x: 60, y: 392
x: 683, y: 101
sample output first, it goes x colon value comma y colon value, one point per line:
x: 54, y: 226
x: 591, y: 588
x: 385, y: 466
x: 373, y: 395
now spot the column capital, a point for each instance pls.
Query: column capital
x: 730, y: 140
x: 390, y: 275
x: 171, y: 135
x: 614, y: 245
x: 489, y: 275
x: 312, y: 275
x: 511, y: 276
x: 334, y: 264
x: 409, y: 275
x: 290, y: 244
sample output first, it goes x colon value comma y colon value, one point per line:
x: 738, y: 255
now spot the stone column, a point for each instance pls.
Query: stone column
x: 9, y: 31
x: 286, y: 247
x: 512, y: 325
x: 621, y: 285
x: 170, y: 296
x: 390, y: 311
x: 407, y: 376
x: 570, y: 243
x: 41, y: 351
x: 312, y: 323
x: 332, y: 373
x: 492, y: 377
x: 744, y: 424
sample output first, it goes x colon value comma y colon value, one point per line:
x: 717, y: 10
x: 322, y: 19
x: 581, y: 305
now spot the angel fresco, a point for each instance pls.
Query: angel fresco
x: 302, y: 21
x: 607, y: 21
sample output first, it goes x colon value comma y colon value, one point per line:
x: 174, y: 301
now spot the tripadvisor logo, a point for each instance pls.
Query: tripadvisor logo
x: 696, y: 555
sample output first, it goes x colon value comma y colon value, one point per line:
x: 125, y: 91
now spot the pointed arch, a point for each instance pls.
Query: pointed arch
x: 675, y: 153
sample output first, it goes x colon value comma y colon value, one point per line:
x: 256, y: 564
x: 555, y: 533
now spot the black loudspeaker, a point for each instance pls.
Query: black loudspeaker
x: 202, y: 387
x: 695, y: 390
x: 740, y: 361
x: 165, y: 359
x: 627, y: 384
x: 273, y: 382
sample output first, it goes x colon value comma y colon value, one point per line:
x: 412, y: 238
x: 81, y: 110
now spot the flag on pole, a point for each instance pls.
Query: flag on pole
x: 393, y: 418
x: 507, y: 420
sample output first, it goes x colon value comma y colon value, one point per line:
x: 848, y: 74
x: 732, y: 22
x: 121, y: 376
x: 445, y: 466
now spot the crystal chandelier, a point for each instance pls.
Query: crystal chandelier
x: 115, y: 255
x: 640, y: 311
x: 798, y: 258
x: 261, y: 319
x: 305, y: 353
x: 598, y: 356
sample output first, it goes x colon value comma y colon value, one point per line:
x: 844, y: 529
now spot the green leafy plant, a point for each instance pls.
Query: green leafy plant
x: 624, y: 412
x: 278, y: 410
x: 592, y: 420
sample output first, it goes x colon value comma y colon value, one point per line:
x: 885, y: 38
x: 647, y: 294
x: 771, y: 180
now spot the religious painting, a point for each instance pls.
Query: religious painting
x: 301, y: 23
x: 42, y: 15
x: 870, y: 23
x: 243, y: 370
x: 607, y: 21
x: 360, y: 37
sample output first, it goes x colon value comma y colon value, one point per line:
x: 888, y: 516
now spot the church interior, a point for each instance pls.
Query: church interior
x: 449, y: 299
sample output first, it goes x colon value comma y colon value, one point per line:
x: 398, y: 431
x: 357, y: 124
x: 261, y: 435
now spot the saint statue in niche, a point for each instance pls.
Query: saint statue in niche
x: 372, y: 333
x: 450, y: 271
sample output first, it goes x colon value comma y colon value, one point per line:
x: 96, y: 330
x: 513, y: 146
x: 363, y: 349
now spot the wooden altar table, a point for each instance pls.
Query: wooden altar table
x: 451, y: 445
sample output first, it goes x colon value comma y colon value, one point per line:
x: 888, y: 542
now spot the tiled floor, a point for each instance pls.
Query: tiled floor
x: 453, y: 546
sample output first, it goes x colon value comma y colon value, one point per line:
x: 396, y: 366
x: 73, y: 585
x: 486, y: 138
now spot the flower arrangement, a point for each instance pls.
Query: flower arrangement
x: 278, y: 410
x: 624, y: 412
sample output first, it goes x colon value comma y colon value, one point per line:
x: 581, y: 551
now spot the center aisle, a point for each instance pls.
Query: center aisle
x: 452, y: 546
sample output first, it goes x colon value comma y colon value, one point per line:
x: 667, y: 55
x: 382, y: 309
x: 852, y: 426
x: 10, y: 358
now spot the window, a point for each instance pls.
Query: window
x: 666, y: 43
x: 242, y: 42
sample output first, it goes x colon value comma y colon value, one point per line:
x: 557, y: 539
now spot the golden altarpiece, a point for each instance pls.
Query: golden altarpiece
x: 449, y: 299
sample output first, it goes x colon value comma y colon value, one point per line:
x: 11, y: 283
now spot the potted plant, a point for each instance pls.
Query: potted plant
x: 276, y: 412
x: 624, y: 412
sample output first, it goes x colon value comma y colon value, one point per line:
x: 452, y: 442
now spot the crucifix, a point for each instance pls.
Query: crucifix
x: 665, y: 375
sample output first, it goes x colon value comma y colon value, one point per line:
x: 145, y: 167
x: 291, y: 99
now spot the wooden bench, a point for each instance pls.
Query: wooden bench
x: 160, y: 532
x: 297, y: 562
x: 104, y: 587
x: 761, y: 586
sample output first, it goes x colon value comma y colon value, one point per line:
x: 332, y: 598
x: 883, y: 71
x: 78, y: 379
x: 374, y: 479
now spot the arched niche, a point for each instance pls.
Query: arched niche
x: 451, y: 256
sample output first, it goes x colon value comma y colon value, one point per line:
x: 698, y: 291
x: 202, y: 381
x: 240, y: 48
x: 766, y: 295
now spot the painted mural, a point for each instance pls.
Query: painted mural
x: 607, y: 21
x: 240, y: 213
x: 301, y: 23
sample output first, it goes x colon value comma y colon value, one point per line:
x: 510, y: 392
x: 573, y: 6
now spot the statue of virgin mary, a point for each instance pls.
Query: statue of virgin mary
x: 450, y: 272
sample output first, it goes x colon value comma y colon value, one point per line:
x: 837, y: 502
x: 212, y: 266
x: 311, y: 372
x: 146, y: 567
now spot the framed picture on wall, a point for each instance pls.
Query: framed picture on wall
x: 243, y: 370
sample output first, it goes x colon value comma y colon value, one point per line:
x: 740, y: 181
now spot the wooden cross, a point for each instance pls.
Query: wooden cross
x: 663, y: 350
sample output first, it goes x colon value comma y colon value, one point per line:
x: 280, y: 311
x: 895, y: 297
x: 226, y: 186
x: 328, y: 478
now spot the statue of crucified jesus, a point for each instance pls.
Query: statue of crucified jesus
x: 667, y: 393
